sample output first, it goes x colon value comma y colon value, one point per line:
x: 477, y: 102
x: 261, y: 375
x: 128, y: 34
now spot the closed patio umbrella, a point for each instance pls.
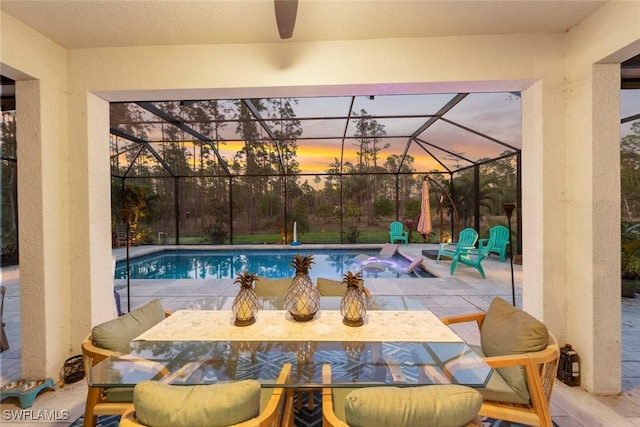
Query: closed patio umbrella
x: 424, y: 223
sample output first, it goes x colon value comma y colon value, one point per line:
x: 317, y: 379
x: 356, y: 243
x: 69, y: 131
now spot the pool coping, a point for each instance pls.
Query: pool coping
x: 120, y: 253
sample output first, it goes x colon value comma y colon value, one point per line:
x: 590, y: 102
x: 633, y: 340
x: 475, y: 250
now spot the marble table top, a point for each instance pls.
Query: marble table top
x: 277, y: 325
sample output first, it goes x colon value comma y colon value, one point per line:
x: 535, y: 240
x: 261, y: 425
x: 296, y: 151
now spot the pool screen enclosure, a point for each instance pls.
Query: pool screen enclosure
x: 233, y: 171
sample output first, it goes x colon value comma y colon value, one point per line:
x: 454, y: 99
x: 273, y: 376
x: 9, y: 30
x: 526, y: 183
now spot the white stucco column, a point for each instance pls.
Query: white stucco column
x: 43, y: 228
x: 32, y: 297
x: 571, y: 216
x: 593, y: 231
x: 543, y: 203
x: 92, y: 275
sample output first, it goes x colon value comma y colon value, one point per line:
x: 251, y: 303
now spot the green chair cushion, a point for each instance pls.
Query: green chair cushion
x: 116, y: 334
x: 436, y: 405
x: 497, y: 388
x: 330, y: 288
x: 333, y: 288
x: 339, y: 397
x: 215, y: 405
x: 508, y: 330
x: 266, y: 287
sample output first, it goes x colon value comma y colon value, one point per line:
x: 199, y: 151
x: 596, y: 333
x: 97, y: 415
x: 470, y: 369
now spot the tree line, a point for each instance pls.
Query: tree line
x: 261, y: 183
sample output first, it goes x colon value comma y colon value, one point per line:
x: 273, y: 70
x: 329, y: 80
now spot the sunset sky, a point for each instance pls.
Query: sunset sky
x: 497, y: 115
x: 494, y: 114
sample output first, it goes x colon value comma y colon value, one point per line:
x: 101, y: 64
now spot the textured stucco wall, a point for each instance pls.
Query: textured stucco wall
x: 43, y: 195
x: 564, y: 166
x: 594, y: 50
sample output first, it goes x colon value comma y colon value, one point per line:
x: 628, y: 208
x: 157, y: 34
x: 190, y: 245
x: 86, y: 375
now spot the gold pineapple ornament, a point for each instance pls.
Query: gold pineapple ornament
x: 353, y: 307
x: 245, y: 304
x: 302, y: 299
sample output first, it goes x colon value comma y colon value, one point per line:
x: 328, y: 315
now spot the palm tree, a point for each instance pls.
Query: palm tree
x: 464, y: 195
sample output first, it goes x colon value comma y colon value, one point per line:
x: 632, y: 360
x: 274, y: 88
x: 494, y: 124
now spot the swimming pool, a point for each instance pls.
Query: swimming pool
x: 225, y: 264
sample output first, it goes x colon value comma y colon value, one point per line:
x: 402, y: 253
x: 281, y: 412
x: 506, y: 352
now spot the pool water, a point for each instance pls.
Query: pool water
x: 216, y: 264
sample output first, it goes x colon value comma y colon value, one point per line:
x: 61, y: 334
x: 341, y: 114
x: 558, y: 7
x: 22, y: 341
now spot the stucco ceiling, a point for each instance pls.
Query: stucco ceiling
x: 90, y: 23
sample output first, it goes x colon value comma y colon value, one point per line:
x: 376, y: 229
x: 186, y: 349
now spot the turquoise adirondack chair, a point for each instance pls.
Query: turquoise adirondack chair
x: 472, y: 257
x: 467, y: 239
x: 497, y: 242
x: 396, y: 232
x: 464, y: 252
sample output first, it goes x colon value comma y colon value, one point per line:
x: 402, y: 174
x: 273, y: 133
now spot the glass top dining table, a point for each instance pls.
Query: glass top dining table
x: 400, y: 345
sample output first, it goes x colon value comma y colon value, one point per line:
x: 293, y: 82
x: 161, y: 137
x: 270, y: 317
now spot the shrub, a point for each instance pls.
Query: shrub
x: 352, y: 235
x: 630, y: 255
x: 215, y: 233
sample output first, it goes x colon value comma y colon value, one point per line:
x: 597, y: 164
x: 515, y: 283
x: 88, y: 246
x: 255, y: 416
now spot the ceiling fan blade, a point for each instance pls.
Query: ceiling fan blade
x: 286, y: 11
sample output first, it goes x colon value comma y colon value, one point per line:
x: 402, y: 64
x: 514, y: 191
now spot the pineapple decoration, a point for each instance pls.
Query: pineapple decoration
x: 245, y: 304
x: 302, y: 299
x: 352, y: 306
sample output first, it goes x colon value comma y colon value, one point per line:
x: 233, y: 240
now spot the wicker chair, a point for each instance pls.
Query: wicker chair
x: 273, y: 413
x: 442, y: 405
x: 539, y: 368
x: 101, y: 401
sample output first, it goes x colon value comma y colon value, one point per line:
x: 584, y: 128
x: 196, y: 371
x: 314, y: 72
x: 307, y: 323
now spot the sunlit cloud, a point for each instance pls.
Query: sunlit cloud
x: 497, y: 115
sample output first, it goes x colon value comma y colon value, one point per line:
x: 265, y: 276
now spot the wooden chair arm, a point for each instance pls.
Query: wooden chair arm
x: 94, y: 353
x: 540, y: 370
x: 462, y: 318
x: 128, y: 418
x: 270, y: 413
x: 534, y: 358
x: 511, y: 360
x: 329, y: 418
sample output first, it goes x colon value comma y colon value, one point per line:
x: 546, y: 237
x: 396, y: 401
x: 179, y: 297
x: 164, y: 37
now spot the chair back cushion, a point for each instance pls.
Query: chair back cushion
x: 158, y: 404
x: 508, y: 330
x: 116, y: 334
x: 435, y: 405
x: 333, y: 288
x: 266, y: 287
